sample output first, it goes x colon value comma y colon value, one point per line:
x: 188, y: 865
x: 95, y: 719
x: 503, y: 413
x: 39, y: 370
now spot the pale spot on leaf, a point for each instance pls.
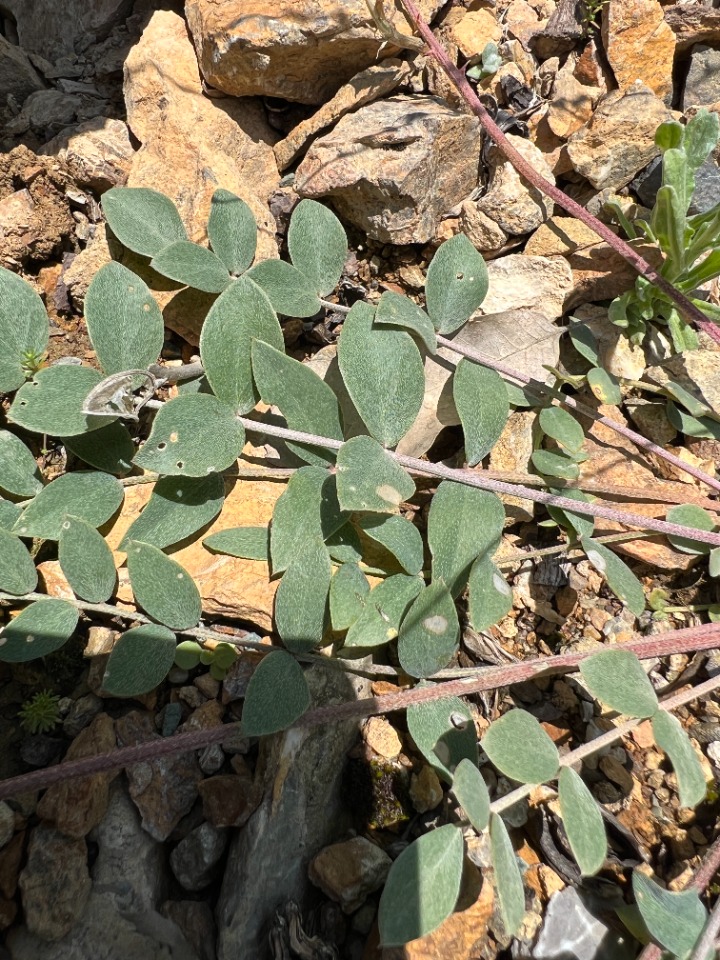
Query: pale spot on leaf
x: 389, y: 494
x: 29, y: 638
x: 436, y: 624
x: 174, y: 437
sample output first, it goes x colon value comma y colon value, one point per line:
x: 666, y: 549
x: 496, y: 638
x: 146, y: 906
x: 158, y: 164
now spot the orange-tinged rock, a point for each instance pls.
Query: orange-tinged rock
x: 476, y: 29
x: 639, y: 44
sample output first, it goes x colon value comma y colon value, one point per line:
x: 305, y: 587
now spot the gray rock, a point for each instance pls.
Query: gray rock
x: 196, y: 859
x: 707, y: 185
x: 395, y: 167
x: 7, y: 824
x: 55, y: 29
x: 301, y: 812
x: 45, y: 113
x: 571, y: 932
x: 55, y: 883
x: 81, y: 714
x: 702, y: 86
x: 195, y: 919
x: 17, y: 74
x: 349, y: 872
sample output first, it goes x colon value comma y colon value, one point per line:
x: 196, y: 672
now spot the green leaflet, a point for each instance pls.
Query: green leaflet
x: 690, y: 515
x: 287, y: 289
x: 444, y: 732
x: 110, y: 448
x: 617, y: 678
x: 9, y: 513
x: 317, y: 245
x: 276, y: 696
x: 399, y: 536
x: 17, y: 570
x: 456, y: 284
x: 349, y: 589
x: 177, y: 508
x: 519, y: 747
x: 368, y: 479
x: 192, y: 435
x: 675, y: 920
x: 508, y: 880
x: 192, y: 265
x: 385, y: 607
x: 482, y: 405
x: 430, y: 632
x: 248, y: 543
x: 232, y: 231
x: 562, y: 427
x: 471, y: 793
x: 139, y: 661
x: 555, y: 465
x: 490, y: 596
x: 24, y: 329
x: 395, y: 310
x: 307, y: 510
x: 604, y: 386
x: 41, y: 629
x: 621, y: 580
x: 93, y: 497
x: 163, y: 588
x: 577, y: 524
x: 674, y: 741
x: 86, y: 560
x: 583, y: 822
x: 19, y: 474
x: 52, y: 402
x: 143, y: 220
x: 301, y: 598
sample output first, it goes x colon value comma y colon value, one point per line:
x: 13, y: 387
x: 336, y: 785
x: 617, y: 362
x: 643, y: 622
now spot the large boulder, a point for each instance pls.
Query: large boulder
x: 57, y: 30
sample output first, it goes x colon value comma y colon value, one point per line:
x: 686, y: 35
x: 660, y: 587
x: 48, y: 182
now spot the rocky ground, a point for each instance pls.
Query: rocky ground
x: 200, y: 857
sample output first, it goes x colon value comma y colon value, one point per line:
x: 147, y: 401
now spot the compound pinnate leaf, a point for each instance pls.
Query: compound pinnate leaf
x: 163, y: 588
x: 19, y: 472
x: 383, y: 372
x: 349, y: 588
x: 422, y: 887
x: 463, y: 524
x: 177, y: 508
x: 583, y: 822
x: 519, y: 747
x: 192, y: 435
x: 562, y: 427
x: 456, y: 284
x: 318, y: 245
x: 368, y: 479
x: 241, y: 314
x: 276, y: 696
x: 617, y: 678
x: 620, y: 578
x: 17, y: 570
x: 24, y: 328
x: 555, y: 465
x: 490, y: 595
x: 93, y: 497
x: 307, y: 509
x: 41, y: 629
x: 248, y: 543
x: 508, y: 879
x: 604, y: 386
x: 483, y: 407
x: 86, y: 560
x: 193, y: 265
x: 675, y: 920
x: 399, y: 536
x: 110, y: 448
x: 307, y: 402
x: 395, y: 310
x: 139, y: 661
x: 690, y: 515
x: 384, y: 610
x: 301, y: 598
x: 143, y: 220
x: 52, y: 402
x: 232, y: 231
x: 429, y: 633
x: 123, y: 320
x: 471, y: 793
x: 444, y: 732
x: 674, y: 741
x: 287, y: 289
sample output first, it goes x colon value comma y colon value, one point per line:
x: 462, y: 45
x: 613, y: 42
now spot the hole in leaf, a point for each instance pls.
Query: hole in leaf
x: 459, y: 276
x: 180, y: 464
x: 161, y: 445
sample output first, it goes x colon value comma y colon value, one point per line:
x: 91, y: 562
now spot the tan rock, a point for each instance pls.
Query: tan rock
x: 291, y: 49
x: 476, y: 29
x: 349, y: 872
x: 20, y: 226
x: 517, y: 281
x: 375, y: 82
x: 512, y: 454
x: 572, y: 102
x: 590, y: 69
x: 382, y: 737
x: 523, y: 22
x: 639, y: 44
x: 618, y: 355
x: 510, y: 202
x: 620, y: 139
x: 98, y: 153
x: 484, y: 234
x: 696, y: 371
x: 426, y: 791
x: 693, y: 24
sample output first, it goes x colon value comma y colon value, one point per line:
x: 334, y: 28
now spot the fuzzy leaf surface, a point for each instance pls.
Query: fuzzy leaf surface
x: 552, y: 464
x: 583, y: 822
x: 620, y: 578
x: 162, y: 587
x: 617, y: 678
x: 471, y: 793
x: 349, y: 589
x: 430, y: 632
x: 483, y: 407
x: 232, y: 231
x: 143, y: 220
x: 562, y: 427
x: 248, y: 543
x: 690, y: 515
x: 193, y: 265
x: 93, y: 497
x: 508, y: 879
x: 19, y: 472
x: 276, y: 696
x: 52, y: 402
x: 395, y: 310
x: 301, y: 598
x: 40, y: 629
x: 578, y: 524
x: 384, y: 610
x: 139, y: 661
x: 671, y: 737
x: 307, y: 509
x: 344, y: 545
x: 86, y: 560
x: 490, y: 595
x: 17, y: 570
x: 110, y: 449
x: 177, y: 508
x: 456, y: 284
x: 675, y: 920
x: 24, y: 328
x: 604, y: 386
x: 9, y: 513
x: 399, y: 536
x: 368, y: 479
x: 519, y: 747
x: 444, y: 732
x: 318, y: 245
x: 287, y: 289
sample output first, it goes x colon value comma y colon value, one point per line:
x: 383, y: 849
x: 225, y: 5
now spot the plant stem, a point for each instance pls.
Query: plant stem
x: 568, y: 548
x: 706, y: 946
x: 528, y: 172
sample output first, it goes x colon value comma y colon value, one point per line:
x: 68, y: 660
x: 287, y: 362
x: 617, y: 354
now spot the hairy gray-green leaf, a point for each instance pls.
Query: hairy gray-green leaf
x: 520, y: 748
x: 675, y: 920
x: 399, y: 536
x: 86, y: 560
x: 471, y: 793
x: 143, y: 220
x: 240, y: 314
x: 193, y: 265
x: 307, y: 509
x: 674, y: 741
x: 317, y: 244
x: 19, y: 472
x: 444, y: 732
x: 584, y: 341
x: 555, y: 465
x: 110, y: 448
x: 349, y: 589
x: 422, y: 887
x: 368, y: 479
x: 139, y: 661
x: 9, y: 513
x: 17, y: 570
x: 191, y: 436
x: 344, y: 545
x: 52, y: 402
x: 580, y: 525
x: 490, y: 596
x: 562, y: 427
x: 456, y: 284
x: 301, y: 598
x: 385, y: 607
x: 232, y: 231
x: 276, y: 696
x: 620, y: 578
x: 463, y: 524
x: 482, y: 405
x: 248, y: 543
x: 41, y: 629
x: 617, y: 678
x: 287, y: 289
x: 604, y: 386
x: 429, y: 633
x: 702, y: 427
x: 91, y: 496
x: 162, y: 587
x: 583, y: 822
x: 508, y: 879
x: 690, y: 515
x: 123, y: 320
x: 177, y: 508
x: 24, y: 329
x: 395, y: 310
x: 307, y: 402
x: 383, y: 372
